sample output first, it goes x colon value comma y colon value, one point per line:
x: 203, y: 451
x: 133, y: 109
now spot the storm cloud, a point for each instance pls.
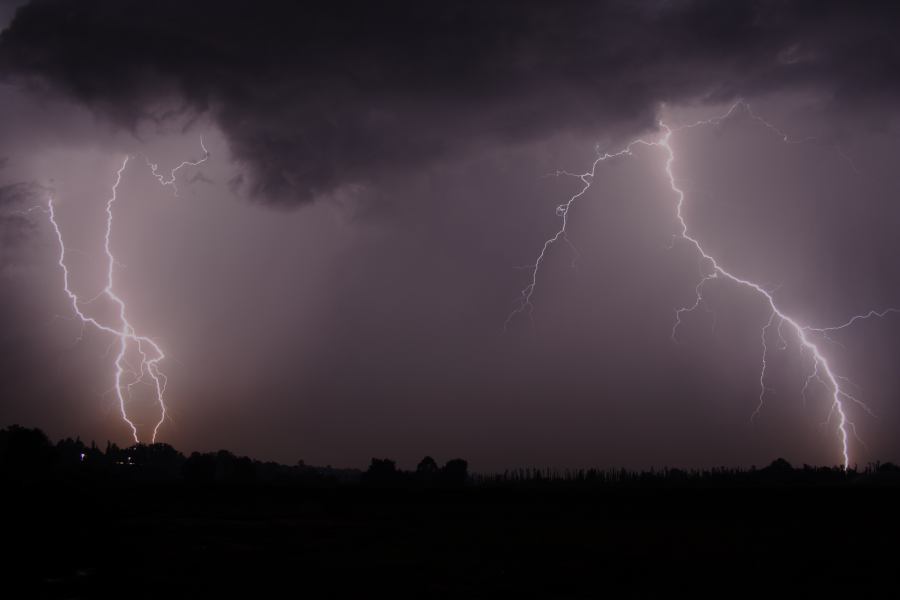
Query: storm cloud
x: 15, y: 225
x: 316, y: 96
x: 371, y: 323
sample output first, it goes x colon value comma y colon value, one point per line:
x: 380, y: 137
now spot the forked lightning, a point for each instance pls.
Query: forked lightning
x: 127, y: 375
x: 821, y: 369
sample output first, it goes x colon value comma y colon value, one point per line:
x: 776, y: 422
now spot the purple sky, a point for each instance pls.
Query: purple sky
x: 332, y: 284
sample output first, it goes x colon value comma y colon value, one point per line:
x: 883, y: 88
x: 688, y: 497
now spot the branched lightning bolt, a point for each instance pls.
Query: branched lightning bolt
x: 126, y: 338
x: 821, y: 369
x: 170, y: 180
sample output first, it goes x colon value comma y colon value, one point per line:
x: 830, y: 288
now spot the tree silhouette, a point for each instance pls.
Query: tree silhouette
x: 25, y: 453
x: 381, y: 472
x: 455, y: 472
x: 427, y: 470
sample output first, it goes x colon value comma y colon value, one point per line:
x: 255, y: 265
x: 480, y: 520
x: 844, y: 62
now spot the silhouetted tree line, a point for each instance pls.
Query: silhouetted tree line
x: 383, y: 472
x: 29, y: 455
x: 779, y: 473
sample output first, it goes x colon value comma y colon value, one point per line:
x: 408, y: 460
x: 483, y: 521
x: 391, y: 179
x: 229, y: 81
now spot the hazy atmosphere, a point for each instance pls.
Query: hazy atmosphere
x: 341, y: 276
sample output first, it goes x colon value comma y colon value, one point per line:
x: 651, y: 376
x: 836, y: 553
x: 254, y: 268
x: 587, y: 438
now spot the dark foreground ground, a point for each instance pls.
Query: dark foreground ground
x: 175, y: 540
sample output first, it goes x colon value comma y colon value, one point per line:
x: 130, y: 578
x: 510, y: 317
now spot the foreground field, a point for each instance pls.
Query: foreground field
x: 181, y: 541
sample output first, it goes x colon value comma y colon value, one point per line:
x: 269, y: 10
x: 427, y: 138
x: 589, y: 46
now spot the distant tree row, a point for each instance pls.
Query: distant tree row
x: 779, y: 473
x: 28, y: 455
x: 383, y: 472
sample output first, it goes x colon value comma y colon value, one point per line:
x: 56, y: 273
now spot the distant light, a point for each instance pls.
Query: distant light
x: 82, y: 456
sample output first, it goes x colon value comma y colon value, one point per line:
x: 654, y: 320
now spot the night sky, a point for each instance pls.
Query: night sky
x: 332, y: 284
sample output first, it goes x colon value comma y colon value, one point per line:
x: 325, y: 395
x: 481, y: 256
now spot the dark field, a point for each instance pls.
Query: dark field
x: 148, y: 522
x: 174, y: 541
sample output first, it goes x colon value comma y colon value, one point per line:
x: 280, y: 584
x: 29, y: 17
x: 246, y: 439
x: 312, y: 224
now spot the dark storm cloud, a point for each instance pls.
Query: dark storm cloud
x: 7, y: 8
x: 316, y: 95
x: 15, y: 224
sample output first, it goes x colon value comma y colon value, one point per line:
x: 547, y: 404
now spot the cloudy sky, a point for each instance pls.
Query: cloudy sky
x: 332, y: 284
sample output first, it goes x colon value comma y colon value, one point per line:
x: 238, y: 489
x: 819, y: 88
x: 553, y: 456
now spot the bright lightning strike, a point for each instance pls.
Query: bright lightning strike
x: 821, y: 369
x: 127, y: 375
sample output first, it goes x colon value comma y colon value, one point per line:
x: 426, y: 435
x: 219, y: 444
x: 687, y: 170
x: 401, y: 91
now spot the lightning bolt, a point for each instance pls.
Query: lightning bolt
x: 821, y: 369
x: 170, y: 180
x: 126, y: 338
